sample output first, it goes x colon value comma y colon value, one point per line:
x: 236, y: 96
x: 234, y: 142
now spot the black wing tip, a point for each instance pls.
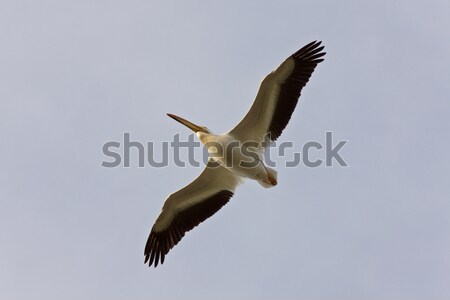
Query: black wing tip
x: 310, y: 52
x: 154, y: 251
x: 313, y: 44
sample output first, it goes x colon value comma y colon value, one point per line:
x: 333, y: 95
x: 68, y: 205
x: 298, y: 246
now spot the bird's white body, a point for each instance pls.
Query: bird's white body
x: 234, y: 155
x: 242, y: 158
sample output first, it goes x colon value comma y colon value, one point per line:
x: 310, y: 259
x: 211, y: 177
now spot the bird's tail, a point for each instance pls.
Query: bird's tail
x: 271, y: 180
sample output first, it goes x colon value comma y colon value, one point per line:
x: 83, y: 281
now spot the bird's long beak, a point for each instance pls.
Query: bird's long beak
x: 186, y: 123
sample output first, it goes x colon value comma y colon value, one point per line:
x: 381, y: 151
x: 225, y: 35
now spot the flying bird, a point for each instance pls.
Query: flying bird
x: 265, y: 121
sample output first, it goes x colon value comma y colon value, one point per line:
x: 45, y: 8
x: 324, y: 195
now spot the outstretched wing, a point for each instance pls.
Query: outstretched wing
x: 278, y: 96
x: 188, y: 207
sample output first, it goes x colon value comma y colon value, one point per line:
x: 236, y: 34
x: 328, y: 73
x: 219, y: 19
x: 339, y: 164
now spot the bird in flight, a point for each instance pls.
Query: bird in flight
x: 227, y: 166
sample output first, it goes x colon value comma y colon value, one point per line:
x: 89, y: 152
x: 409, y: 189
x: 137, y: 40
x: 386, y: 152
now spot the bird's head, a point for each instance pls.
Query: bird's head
x: 189, y: 125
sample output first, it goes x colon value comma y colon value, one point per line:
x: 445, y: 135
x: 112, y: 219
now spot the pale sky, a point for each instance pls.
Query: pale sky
x: 76, y: 74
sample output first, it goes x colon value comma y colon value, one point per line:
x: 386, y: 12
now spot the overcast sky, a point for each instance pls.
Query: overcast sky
x: 76, y: 74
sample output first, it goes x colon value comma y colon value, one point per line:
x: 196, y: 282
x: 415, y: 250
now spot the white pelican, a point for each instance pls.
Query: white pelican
x: 268, y: 116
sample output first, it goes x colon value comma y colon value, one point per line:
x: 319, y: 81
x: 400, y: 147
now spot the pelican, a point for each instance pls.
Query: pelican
x: 265, y: 121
